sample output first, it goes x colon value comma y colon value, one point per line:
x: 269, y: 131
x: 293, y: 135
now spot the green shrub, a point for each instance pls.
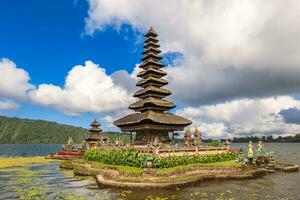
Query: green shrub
x: 174, y: 161
x: 125, y: 157
x: 131, y: 157
x: 214, y: 143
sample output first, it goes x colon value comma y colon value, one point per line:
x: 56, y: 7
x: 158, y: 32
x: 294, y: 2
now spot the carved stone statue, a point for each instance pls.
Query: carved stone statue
x: 187, y: 138
x: 197, y: 137
x: 70, y: 144
x: 260, y: 148
x: 250, y: 152
x: 227, y: 143
x: 119, y: 142
x: 155, y: 142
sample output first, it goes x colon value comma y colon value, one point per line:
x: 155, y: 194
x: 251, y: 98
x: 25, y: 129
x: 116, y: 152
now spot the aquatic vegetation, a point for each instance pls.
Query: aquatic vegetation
x: 131, y: 157
x: 22, y: 161
x: 33, y: 193
x: 67, y: 196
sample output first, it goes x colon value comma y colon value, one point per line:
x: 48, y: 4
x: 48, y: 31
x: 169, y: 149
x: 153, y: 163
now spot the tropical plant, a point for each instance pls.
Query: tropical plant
x: 132, y: 157
x: 214, y: 143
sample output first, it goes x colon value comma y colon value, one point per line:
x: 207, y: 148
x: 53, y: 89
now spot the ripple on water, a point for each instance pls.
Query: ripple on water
x: 55, y: 180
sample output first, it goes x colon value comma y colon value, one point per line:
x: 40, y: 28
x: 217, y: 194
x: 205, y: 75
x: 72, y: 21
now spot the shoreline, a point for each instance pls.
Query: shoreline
x: 150, y: 178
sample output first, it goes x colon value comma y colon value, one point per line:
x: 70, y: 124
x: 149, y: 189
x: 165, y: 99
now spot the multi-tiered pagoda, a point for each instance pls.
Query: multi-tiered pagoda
x: 96, y: 138
x: 151, y: 120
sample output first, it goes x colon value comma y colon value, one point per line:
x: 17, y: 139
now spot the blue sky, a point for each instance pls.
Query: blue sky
x: 233, y: 68
x: 46, y: 38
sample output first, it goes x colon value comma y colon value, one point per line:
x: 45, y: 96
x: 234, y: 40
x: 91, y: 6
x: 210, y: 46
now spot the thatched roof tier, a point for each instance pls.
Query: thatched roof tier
x: 151, y: 63
x: 151, y: 44
x: 95, y: 129
x: 151, y: 49
x: 151, y: 32
x: 153, y: 56
x: 95, y: 137
x: 152, y: 81
x: 95, y: 123
x: 152, y: 91
x: 152, y: 120
x: 95, y: 132
x: 151, y: 103
x: 155, y: 72
x: 151, y: 39
x: 152, y: 106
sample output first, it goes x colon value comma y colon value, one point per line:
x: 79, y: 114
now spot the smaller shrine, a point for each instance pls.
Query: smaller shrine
x: 96, y: 138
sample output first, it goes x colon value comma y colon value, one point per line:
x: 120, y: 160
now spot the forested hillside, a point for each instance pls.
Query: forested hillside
x: 27, y: 131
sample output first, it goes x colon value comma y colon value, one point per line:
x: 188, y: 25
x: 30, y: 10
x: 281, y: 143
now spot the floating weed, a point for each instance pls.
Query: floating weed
x: 22, y: 161
x: 150, y: 197
x: 67, y: 172
x: 32, y: 193
x: 107, y: 196
x: 67, y: 196
x: 124, y: 193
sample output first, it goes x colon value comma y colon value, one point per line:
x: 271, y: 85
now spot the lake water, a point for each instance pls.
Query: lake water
x: 54, y: 180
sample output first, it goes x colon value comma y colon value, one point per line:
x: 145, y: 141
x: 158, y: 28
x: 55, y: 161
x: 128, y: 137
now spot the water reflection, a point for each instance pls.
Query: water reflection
x: 54, y: 180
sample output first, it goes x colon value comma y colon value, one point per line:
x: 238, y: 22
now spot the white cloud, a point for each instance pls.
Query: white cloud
x: 230, y: 48
x: 14, y: 81
x: 87, y: 89
x: 8, y: 105
x: 244, y: 117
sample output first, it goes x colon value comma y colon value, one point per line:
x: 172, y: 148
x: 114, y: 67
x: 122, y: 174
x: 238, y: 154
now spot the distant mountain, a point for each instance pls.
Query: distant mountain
x: 28, y: 131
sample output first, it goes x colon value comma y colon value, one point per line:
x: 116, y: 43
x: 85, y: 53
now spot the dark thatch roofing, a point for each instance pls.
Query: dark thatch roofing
x: 149, y: 55
x: 96, y: 137
x: 151, y: 71
x: 151, y: 44
x: 152, y: 117
x: 151, y: 32
x: 151, y: 49
x: 159, y: 81
x: 151, y: 39
x: 152, y: 63
x: 95, y: 123
x: 152, y: 90
x: 152, y: 101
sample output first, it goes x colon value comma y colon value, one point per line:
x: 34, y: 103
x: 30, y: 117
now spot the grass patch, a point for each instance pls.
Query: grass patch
x: 22, y: 161
x: 120, y: 168
x: 216, y: 164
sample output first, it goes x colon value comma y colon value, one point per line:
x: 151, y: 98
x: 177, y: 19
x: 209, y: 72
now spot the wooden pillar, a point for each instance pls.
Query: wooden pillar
x: 131, y: 138
x: 172, y: 137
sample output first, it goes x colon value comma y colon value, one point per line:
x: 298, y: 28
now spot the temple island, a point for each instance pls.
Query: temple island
x: 152, y: 158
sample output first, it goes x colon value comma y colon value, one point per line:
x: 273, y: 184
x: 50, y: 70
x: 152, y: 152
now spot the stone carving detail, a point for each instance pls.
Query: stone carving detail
x: 227, y: 143
x: 119, y: 142
x: 250, y: 152
x: 260, y: 148
x: 70, y: 144
x: 187, y: 138
x: 197, y: 137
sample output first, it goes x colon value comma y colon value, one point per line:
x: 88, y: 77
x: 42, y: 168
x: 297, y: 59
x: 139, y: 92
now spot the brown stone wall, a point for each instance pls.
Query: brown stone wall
x: 148, y: 135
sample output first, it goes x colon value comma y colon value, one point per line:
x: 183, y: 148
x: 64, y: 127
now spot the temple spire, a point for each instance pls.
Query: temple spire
x: 152, y: 93
x: 151, y: 120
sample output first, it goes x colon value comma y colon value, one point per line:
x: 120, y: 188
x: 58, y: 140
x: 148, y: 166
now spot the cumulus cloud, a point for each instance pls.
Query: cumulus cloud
x: 244, y: 117
x: 231, y: 49
x: 87, y: 89
x: 8, y: 105
x: 14, y: 81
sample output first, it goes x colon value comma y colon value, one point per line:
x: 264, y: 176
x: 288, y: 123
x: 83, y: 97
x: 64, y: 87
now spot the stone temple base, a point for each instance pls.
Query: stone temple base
x: 148, y: 136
